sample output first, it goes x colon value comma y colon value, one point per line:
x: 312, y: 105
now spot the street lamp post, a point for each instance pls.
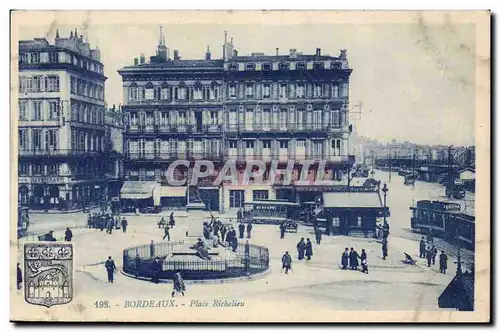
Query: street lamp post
x: 385, y: 190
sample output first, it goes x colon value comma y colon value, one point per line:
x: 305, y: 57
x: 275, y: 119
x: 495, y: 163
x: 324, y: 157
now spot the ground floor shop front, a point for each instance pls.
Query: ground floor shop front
x: 65, y: 194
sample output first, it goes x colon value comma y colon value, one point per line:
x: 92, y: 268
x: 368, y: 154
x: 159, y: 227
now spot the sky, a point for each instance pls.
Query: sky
x: 415, y: 83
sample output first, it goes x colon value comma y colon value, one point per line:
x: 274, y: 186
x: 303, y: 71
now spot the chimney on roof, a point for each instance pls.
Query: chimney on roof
x: 71, y: 34
x: 57, y: 34
x: 318, y: 51
x: 143, y: 58
x: 293, y: 51
x: 136, y: 61
x: 208, y: 55
x: 176, y: 55
x: 235, y: 53
x: 277, y: 51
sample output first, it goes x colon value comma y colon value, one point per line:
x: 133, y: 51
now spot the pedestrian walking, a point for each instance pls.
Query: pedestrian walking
x: 353, y: 259
x: 344, y: 261
x: 282, y: 230
x: 428, y: 256
x: 172, y: 220
x: 241, y: 228
x: 318, y: 235
x: 422, y: 247
x: 155, y: 276
x: 309, y: 249
x: 151, y: 249
x: 179, y: 286
x: 364, y: 261
x: 385, y: 229
x: 286, y: 262
x: 249, y: 230
x: 19, y: 277
x: 137, y: 265
x: 443, y: 262
x: 239, y: 216
x: 223, y: 231
x: 68, y: 235
x: 89, y: 220
x: 166, y: 233
x: 110, y: 268
x: 124, y: 225
x: 384, y: 249
x: 301, y: 248
x: 434, y: 252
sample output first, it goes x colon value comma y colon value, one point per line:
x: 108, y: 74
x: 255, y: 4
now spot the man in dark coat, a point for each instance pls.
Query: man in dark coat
x: 110, y: 268
x: 223, y: 231
x: 286, y: 261
x: 239, y: 215
x: 241, y: 228
x: 422, y: 247
x: 89, y: 220
x: 68, y: 235
x: 428, y: 256
x: 309, y: 249
x: 249, y: 230
x: 19, y: 277
x: 353, y: 259
x: 364, y: 261
x: 443, y: 262
x: 155, y: 277
x: 385, y: 229
x: 166, y: 233
x: 384, y: 249
x: 124, y: 225
x: 50, y: 236
x: 137, y: 265
x: 318, y: 235
x: 345, y: 259
x: 434, y: 252
x: 172, y: 220
x: 282, y: 230
x: 301, y: 248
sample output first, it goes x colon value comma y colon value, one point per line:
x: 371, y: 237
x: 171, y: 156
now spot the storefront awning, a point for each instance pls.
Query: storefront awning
x: 137, y: 189
x: 173, y: 191
x: 352, y: 200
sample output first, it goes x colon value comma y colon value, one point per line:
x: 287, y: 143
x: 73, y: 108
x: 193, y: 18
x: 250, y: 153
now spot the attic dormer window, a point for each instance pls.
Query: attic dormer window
x: 301, y: 66
x: 233, y: 67
x: 250, y: 66
x: 284, y: 66
x: 319, y: 65
x: 266, y: 66
x: 336, y: 65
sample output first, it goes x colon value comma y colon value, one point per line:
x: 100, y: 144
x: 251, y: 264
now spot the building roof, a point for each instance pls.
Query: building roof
x: 470, y: 169
x: 301, y: 57
x: 184, y: 64
x: 352, y: 200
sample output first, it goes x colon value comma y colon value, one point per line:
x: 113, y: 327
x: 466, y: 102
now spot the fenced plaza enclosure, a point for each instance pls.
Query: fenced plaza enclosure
x: 248, y: 259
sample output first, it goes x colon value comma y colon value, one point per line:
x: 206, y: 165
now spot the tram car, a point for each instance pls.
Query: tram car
x: 23, y: 220
x: 270, y: 212
x: 444, y: 220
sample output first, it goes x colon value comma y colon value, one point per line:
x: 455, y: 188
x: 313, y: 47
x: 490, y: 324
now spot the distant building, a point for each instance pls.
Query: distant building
x: 62, y: 150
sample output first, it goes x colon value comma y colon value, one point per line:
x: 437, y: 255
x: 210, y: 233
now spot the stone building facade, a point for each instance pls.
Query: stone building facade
x: 61, y: 129
x: 239, y: 108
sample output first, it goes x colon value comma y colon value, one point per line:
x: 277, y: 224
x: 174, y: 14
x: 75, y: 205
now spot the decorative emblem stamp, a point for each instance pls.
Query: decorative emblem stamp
x: 48, y: 273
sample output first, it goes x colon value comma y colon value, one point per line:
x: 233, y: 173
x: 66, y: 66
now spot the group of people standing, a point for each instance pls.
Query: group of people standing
x: 350, y: 260
x: 304, y: 249
x: 106, y: 221
x: 429, y: 251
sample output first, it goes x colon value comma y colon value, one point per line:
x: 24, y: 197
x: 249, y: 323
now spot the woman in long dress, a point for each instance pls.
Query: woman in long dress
x: 179, y: 286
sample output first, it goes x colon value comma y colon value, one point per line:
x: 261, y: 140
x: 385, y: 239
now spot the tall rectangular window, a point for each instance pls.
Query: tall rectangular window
x: 51, y: 139
x: 182, y: 93
x: 344, y: 90
x: 52, y: 84
x: 335, y: 91
x: 266, y: 91
x: 236, y: 198
x: 53, y: 110
x: 37, y: 139
x: 317, y: 91
x: 232, y: 91
x: 23, y: 140
x: 259, y: 195
x: 37, y: 110
x: 283, y: 89
x: 23, y: 112
x: 249, y: 90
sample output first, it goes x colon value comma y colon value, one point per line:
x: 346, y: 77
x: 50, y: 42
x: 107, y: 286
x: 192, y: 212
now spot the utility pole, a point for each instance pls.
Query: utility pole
x: 390, y: 164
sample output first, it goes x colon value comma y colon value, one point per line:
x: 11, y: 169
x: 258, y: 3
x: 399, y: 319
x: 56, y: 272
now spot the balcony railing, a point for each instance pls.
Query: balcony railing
x: 58, y: 152
x: 145, y: 156
x: 284, y: 127
x: 289, y: 156
x: 178, y: 128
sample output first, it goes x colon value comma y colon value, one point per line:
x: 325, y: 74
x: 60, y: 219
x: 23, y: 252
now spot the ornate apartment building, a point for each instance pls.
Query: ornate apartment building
x: 261, y: 107
x: 61, y: 129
